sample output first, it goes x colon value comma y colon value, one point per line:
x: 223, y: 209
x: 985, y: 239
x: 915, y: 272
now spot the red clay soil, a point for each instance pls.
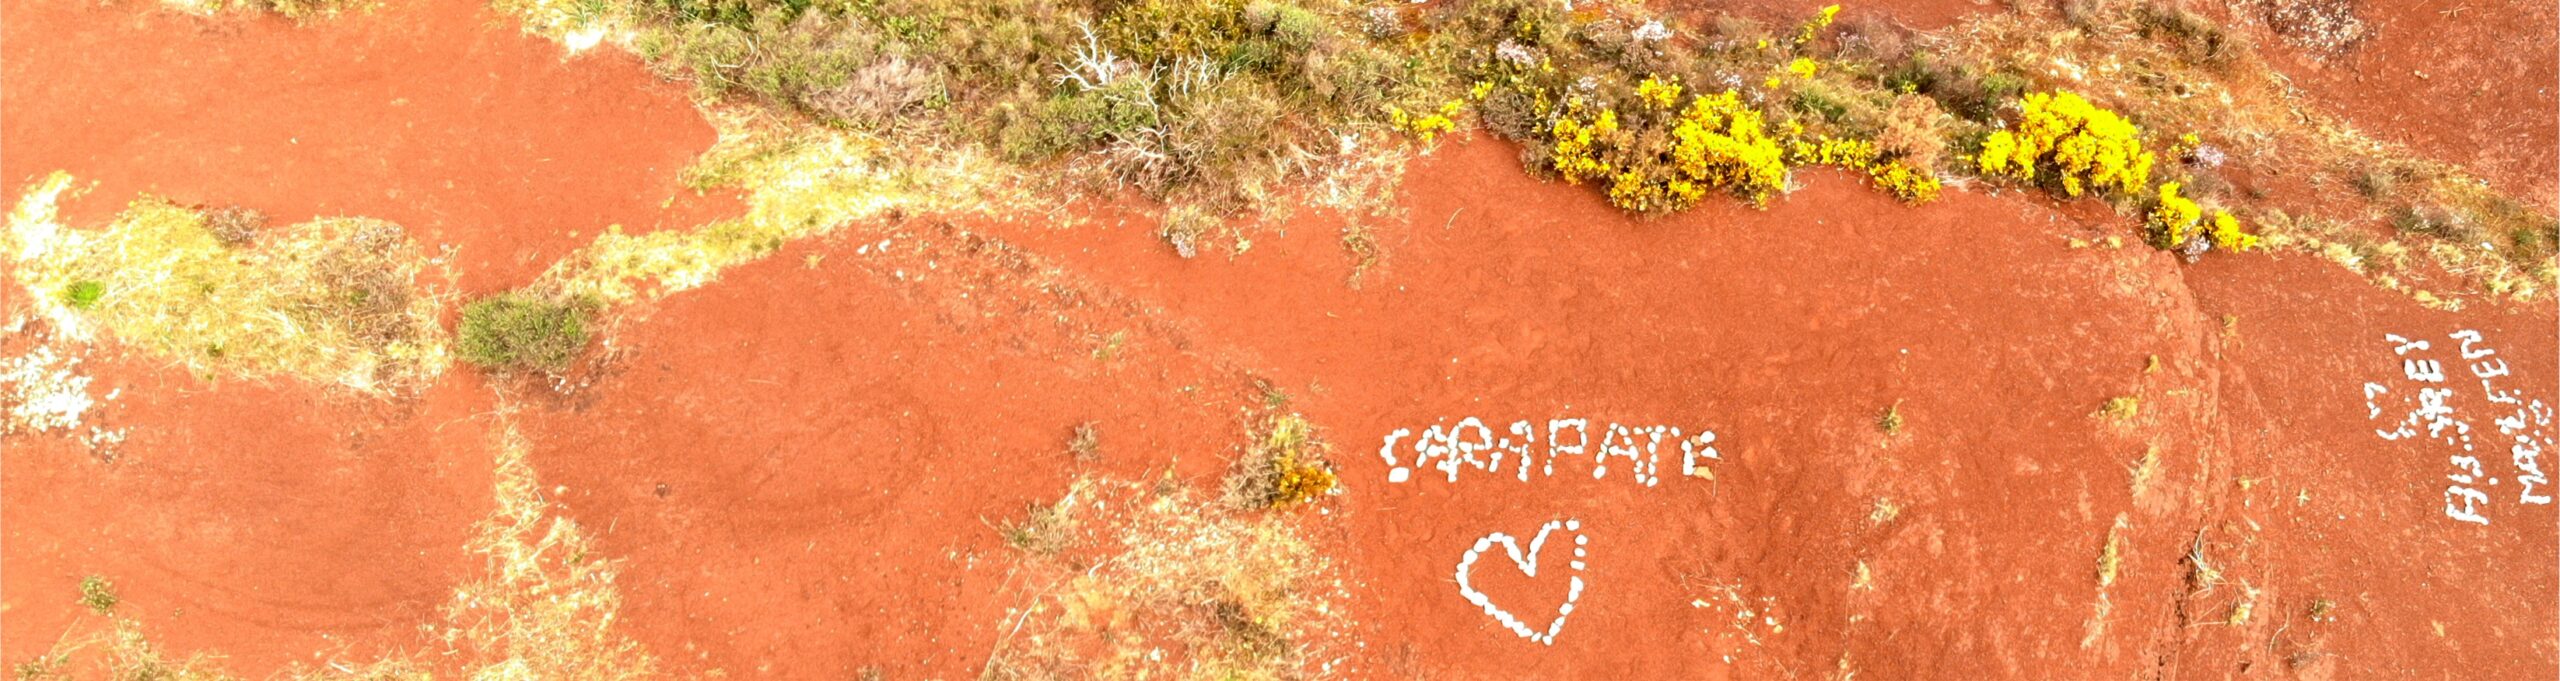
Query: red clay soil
x: 817, y: 522
x: 273, y: 523
x: 269, y: 524
x: 2473, y: 83
x: 433, y: 115
x: 803, y: 464
x: 1788, y: 332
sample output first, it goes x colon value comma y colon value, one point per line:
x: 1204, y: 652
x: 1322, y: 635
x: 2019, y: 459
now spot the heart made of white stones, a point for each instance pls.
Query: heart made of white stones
x: 1528, y: 564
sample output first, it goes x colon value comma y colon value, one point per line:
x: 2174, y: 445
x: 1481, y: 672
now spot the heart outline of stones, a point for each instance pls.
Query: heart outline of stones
x: 1528, y: 565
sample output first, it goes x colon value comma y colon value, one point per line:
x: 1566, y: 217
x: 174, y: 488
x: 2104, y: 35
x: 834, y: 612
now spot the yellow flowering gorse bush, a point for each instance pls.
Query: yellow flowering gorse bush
x: 1428, y: 126
x: 1892, y: 175
x: 2087, y: 146
x: 2176, y: 220
x: 1658, y: 93
x: 1716, y: 142
x: 1720, y: 142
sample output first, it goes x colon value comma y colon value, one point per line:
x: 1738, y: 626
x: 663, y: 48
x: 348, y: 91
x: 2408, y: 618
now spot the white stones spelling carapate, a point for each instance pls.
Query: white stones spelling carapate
x: 1528, y: 564
x: 1471, y: 444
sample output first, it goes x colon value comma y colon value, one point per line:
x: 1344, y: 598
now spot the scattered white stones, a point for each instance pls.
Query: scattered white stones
x: 46, y: 391
x: 1472, y: 444
x: 1528, y: 564
x: 43, y: 392
x: 2430, y: 406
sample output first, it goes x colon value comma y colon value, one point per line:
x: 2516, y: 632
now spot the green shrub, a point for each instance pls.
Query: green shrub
x: 1298, y: 29
x: 518, y: 331
x: 1078, y: 121
x: 1820, y: 103
x: 83, y: 294
x: 96, y: 593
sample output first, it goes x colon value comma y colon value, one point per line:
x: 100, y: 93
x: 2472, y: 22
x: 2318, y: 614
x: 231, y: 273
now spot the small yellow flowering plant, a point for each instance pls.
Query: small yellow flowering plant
x: 2176, y: 221
x: 1913, y: 185
x: 1813, y: 27
x: 1428, y: 126
x: 2085, y: 146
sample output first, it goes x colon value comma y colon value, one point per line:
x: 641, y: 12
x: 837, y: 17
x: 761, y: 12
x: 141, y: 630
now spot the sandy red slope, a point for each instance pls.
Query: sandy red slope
x: 433, y: 115
x: 802, y: 463
x: 1786, y: 332
x: 2468, y: 82
x: 272, y: 523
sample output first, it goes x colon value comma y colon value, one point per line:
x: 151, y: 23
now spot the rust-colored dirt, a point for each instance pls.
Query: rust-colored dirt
x: 1788, y: 332
x: 802, y: 464
x: 436, y: 116
x: 276, y: 523
x: 2468, y: 82
x: 270, y: 524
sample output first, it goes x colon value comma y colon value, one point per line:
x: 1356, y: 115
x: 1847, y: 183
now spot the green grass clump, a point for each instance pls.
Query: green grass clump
x: 96, y: 593
x: 518, y: 331
x: 83, y: 294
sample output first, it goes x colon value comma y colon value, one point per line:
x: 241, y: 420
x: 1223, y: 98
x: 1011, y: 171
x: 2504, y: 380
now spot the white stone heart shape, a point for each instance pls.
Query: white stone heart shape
x: 1528, y: 564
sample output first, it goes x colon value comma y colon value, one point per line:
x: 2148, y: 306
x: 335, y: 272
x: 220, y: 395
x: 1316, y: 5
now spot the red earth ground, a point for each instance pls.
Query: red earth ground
x: 2473, y: 83
x: 276, y: 522
x: 801, y: 463
x: 435, y: 116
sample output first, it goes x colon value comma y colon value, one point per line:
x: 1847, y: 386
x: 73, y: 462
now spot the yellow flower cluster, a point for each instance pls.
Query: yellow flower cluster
x: 1719, y: 142
x: 1657, y: 93
x: 1300, y: 483
x: 2226, y: 233
x: 2176, y: 219
x: 1910, y: 184
x: 2089, y: 146
x: 1428, y: 126
x: 1813, y: 27
x: 1804, y: 67
x: 1578, y: 145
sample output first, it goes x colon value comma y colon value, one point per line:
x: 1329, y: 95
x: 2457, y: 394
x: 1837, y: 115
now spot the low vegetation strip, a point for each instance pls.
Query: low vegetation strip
x: 337, y: 300
x: 800, y: 183
x: 1220, y: 105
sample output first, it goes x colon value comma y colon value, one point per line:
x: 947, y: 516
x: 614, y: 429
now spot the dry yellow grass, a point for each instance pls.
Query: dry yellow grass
x: 2111, y: 556
x: 800, y: 183
x: 546, y: 605
x: 1153, y: 568
x: 335, y: 300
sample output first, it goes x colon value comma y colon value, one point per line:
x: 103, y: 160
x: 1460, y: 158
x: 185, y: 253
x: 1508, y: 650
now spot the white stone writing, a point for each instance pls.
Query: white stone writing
x: 2428, y: 408
x: 1514, y: 451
